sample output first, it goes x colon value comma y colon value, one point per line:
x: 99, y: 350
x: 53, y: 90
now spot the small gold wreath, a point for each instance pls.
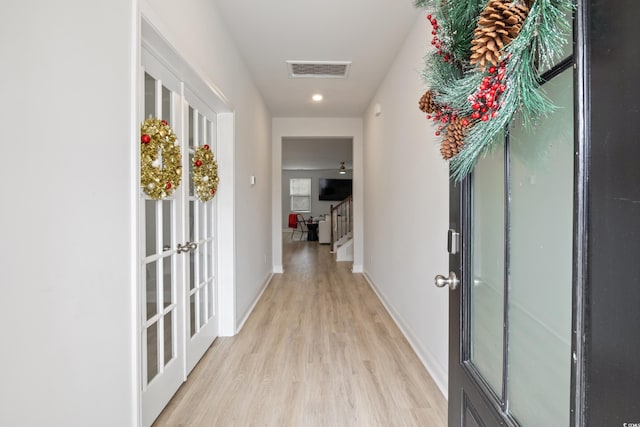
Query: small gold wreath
x: 205, y: 173
x: 160, y: 159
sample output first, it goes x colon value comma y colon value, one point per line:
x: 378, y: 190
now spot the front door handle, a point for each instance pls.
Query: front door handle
x: 452, y: 281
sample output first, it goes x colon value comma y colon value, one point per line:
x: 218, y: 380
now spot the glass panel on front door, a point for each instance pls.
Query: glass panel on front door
x: 521, y: 230
x: 541, y: 264
x: 487, y: 286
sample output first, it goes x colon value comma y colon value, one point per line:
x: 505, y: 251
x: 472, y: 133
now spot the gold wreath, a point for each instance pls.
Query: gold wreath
x: 160, y: 159
x: 205, y: 173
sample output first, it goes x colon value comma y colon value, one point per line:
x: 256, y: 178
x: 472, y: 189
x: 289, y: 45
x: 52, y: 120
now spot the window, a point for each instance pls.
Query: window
x: 300, y: 192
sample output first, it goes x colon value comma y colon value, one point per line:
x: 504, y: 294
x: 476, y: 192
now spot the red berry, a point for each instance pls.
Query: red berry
x: 206, y: 146
x: 465, y: 122
x: 437, y: 133
x: 164, y: 122
x: 494, y: 114
x: 433, y: 42
x: 475, y: 115
x: 476, y: 106
x: 485, y: 117
x: 492, y: 70
x: 428, y: 116
x: 213, y: 191
x: 429, y: 17
x: 168, y: 185
x: 198, y: 163
x: 145, y: 139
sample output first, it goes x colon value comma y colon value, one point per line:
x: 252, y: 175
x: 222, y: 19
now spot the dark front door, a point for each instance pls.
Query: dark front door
x: 511, y: 312
x: 545, y: 317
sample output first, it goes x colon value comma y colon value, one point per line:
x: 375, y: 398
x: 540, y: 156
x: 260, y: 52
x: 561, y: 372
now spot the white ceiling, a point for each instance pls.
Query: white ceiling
x: 316, y: 153
x: 367, y: 32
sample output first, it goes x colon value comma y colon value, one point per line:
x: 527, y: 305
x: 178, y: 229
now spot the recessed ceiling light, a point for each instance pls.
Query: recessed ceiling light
x: 317, y: 97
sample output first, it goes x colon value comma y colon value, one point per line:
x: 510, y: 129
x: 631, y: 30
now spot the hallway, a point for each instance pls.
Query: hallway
x: 318, y: 350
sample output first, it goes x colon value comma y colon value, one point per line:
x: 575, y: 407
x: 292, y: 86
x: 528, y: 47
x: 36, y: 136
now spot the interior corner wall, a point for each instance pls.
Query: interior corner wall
x: 198, y: 32
x: 406, y: 207
x: 67, y: 301
x: 283, y: 127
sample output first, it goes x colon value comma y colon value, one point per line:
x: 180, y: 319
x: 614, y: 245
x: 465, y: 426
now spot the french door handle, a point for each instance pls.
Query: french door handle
x: 187, y: 247
x: 452, y: 281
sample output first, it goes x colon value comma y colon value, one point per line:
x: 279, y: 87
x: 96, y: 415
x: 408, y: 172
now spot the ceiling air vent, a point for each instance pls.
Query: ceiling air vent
x: 319, y: 69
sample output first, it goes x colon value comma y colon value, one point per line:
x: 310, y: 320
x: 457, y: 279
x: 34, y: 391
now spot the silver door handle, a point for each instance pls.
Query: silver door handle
x: 188, y: 246
x: 452, y: 281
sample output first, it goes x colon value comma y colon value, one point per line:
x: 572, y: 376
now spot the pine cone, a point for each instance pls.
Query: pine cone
x: 499, y: 23
x: 427, y: 103
x: 453, y: 140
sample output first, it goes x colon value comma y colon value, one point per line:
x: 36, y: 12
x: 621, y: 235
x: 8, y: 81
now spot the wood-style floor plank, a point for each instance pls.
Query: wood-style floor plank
x: 319, y: 350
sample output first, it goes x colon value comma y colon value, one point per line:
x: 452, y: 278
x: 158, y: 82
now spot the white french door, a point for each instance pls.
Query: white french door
x: 178, y: 283
x: 202, y: 324
x: 162, y: 302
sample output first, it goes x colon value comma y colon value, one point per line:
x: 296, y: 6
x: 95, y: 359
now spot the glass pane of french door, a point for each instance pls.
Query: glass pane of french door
x: 541, y: 263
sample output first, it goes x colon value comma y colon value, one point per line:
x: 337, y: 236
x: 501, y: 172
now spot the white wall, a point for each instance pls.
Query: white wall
x: 69, y: 148
x: 197, y: 31
x: 406, y: 207
x: 318, y: 207
x: 284, y: 127
x: 66, y: 252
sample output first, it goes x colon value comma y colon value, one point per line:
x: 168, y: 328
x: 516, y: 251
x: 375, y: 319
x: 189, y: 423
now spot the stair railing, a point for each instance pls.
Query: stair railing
x: 341, y: 221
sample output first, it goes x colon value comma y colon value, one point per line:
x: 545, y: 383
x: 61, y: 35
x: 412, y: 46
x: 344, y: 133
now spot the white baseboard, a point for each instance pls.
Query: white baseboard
x: 356, y: 268
x: 255, y: 302
x: 437, y: 372
x: 278, y: 269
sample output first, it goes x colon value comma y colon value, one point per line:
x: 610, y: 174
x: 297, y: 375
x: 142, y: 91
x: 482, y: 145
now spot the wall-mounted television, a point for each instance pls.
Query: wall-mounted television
x: 334, y: 189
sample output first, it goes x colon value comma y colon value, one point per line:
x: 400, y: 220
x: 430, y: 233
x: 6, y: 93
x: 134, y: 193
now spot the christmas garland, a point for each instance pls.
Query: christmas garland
x: 205, y: 173
x: 160, y: 159
x: 484, y: 69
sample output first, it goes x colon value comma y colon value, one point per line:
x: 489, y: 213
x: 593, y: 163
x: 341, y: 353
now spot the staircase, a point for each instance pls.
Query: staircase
x: 342, y: 230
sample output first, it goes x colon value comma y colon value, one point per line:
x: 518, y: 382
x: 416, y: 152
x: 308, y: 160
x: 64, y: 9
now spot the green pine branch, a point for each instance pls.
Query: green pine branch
x: 538, y: 46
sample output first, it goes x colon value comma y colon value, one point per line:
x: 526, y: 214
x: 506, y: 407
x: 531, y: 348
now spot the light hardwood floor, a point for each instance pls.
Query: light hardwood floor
x: 319, y: 350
